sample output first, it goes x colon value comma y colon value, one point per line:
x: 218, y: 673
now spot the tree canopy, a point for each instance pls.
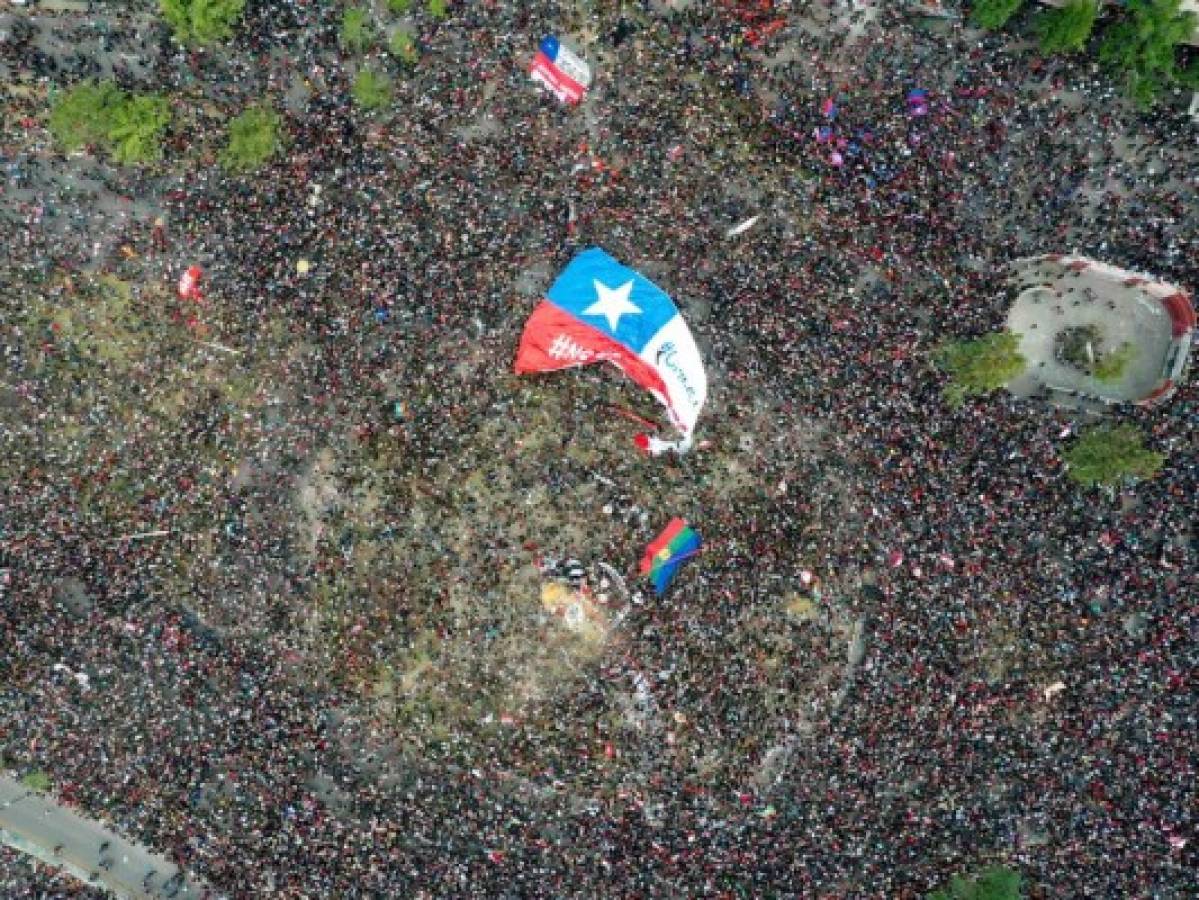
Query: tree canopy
x: 403, y: 47
x: 356, y: 31
x: 128, y: 126
x: 81, y: 116
x: 1111, y: 454
x: 136, y: 128
x: 1066, y: 29
x: 981, y: 365
x: 994, y: 14
x: 1143, y: 45
x: 994, y: 883
x: 201, y: 21
x: 254, y: 137
x: 371, y: 90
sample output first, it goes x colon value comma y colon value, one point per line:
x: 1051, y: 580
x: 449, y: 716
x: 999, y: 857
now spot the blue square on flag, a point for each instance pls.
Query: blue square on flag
x: 612, y: 298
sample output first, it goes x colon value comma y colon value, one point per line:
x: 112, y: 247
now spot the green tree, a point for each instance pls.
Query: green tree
x: 371, y: 90
x: 437, y: 9
x: 981, y: 365
x: 136, y: 127
x: 1143, y: 45
x: 399, y: 7
x: 81, y: 116
x: 1066, y: 29
x: 994, y: 14
x: 994, y: 883
x: 1110, y: 454
x: 128, y: 126
x: 356, y: 31
x: 403, y: 47
x: 254, y: 137
x: 201, y: 21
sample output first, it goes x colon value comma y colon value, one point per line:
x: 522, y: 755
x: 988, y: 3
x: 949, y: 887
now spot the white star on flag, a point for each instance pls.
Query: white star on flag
x: 612, y: 303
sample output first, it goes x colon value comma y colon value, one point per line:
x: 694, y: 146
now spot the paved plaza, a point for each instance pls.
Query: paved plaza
x: 35, y: 824
x: 1055, y: 298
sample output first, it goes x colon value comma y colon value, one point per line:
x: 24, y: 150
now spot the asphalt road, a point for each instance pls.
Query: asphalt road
x: 35, y: 824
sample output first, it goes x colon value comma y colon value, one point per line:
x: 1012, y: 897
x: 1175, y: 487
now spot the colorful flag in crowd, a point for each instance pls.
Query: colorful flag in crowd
x: 560, y: 70
x: 918, y: 102
x: 601, y: 311
x: 677, y: 542
x: 189, y: 283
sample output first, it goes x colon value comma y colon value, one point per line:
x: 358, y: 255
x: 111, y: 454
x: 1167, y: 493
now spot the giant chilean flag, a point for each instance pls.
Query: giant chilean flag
x: 560, y: 70
x: 601, y: 311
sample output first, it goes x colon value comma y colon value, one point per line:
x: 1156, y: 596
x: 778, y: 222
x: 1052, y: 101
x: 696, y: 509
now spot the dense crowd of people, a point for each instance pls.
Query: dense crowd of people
x: 978, y: 576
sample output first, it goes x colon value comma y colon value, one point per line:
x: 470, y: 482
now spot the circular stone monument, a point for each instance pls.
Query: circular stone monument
x: 1095, y: 334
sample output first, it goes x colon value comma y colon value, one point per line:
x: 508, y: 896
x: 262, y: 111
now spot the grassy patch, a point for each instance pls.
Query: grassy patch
x: 1111, y: 367
x: 37, y: 781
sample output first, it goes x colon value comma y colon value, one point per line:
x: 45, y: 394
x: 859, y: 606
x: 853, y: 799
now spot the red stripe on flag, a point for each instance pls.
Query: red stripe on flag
x: 563, y: 86
x: 658, y: 544
x: 554, y: 339
x: 633, y: 417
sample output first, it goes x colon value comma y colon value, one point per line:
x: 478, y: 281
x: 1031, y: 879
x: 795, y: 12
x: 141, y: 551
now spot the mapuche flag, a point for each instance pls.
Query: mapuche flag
x: 601, y: 311
x: 665, y: 553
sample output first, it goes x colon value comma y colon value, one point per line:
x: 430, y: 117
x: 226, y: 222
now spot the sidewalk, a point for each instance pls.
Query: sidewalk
x: 35, y: 824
